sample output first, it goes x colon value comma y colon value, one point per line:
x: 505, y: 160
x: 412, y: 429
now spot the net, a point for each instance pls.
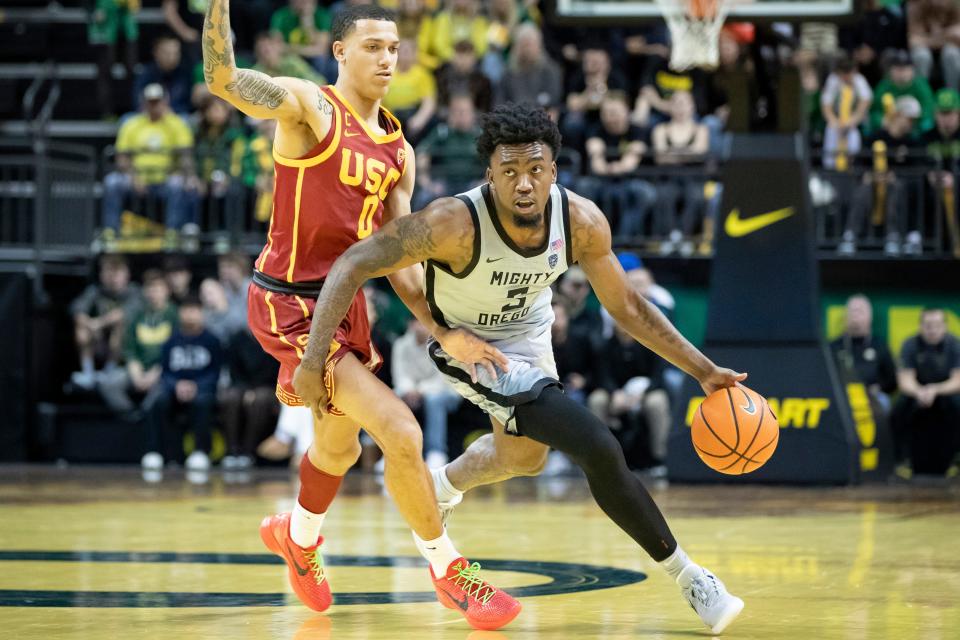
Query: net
x: 696, y: 40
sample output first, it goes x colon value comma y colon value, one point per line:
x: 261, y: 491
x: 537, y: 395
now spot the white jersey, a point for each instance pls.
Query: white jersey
x: 504, y: 292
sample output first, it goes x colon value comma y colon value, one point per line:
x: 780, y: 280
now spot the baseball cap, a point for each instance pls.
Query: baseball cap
x: 154, y: 91
x: 948, y: 100
x: 908, y: 106
x: 901, y: 58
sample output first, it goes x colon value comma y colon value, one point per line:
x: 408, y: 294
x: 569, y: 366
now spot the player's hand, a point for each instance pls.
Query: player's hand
x: 308, y: 383
x: 720, y: 378
x: 471, y: 350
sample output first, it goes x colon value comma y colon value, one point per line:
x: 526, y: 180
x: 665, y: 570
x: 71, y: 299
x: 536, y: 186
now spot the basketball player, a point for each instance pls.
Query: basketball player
x: 492, y: 254
x: 342, y: 165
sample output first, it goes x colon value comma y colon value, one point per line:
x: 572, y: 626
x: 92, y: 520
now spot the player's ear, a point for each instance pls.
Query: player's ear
x: 553, y: 168
x: 339, y: 51
x: 489, y: 175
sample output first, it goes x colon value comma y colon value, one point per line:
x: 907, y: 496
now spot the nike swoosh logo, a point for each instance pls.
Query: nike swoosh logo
x: 750, y: 408
x: 489, y: 260
x: 350, y: 134
x: 737, y: 227
x: 462, y: 604
x: 293, y: 559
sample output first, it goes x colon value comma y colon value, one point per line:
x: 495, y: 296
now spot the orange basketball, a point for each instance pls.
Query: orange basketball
x: 734, y: 431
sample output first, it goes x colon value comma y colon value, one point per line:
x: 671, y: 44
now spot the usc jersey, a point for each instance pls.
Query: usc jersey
x: 332, y: 196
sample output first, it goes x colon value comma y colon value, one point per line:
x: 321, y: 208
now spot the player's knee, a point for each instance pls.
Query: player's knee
x: 599, y: 451
x: 338, y: 454
x: 402, y: 439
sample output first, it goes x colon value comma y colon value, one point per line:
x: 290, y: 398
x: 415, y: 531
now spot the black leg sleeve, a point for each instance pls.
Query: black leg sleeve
x: 557, y: 421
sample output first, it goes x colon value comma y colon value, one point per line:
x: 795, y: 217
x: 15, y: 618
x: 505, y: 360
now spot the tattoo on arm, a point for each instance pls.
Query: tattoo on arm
x: 323, y: 104
x: 378, y: 255
x: 256, y: 88
x: 215, y: 41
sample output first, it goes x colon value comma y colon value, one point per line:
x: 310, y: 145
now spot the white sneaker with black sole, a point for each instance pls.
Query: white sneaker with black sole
x: 709, y: 598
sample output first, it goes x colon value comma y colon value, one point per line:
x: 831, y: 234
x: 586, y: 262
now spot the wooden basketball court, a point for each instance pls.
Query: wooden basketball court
x: 101, y: 553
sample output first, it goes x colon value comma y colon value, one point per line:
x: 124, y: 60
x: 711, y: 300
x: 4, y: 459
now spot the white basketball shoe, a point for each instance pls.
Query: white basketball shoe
x: 709, y: 598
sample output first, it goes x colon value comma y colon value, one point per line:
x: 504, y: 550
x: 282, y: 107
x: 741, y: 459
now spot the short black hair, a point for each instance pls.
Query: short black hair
x: 346, y: 18
x: 517, y: 123
x: 191, y: 300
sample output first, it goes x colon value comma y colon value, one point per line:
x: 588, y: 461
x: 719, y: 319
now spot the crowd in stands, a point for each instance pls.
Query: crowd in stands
x: 882, y: 96
x: 175, y: 356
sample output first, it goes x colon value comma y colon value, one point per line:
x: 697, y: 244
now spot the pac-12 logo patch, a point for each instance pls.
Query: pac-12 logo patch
x: 401, y: 155
x: 552, y: 260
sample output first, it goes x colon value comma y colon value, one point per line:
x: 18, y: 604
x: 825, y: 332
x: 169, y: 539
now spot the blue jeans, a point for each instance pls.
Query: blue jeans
x: 180, y: 203
x: 436, y: 409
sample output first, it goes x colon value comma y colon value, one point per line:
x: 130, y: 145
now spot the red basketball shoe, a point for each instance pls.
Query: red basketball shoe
x: 484, y: 606
x: 304, y: 566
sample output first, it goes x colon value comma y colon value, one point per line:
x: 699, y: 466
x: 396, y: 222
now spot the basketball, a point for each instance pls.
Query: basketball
x: 734, y: 431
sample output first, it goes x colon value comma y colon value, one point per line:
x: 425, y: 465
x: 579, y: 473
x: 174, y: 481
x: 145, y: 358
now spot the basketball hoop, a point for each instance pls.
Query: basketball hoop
x: 695, y: 30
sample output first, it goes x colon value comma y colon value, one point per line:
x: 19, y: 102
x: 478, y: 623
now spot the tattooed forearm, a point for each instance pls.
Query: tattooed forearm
x: 257, y: 88
x: 216, y: 44
x: 416, y: 236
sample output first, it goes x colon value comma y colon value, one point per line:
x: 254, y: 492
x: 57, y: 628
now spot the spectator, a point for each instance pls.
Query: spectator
x: 461, y: 75
x: 218, y: 317
x: 585, y: 93
x: 531, y: 76
x: 584, y: 315
x: 253, y: 164
x: 233, y: 272
x: 460, y: 20
x: 863, y: 357
x: 574, y: 354
x: 934, y: 30
x: 902, y: 80
x: 191, y: 363
x: 504, y: 17
x: 179, y: 278
x: 682, y: 140
x: 274, y: 61
x: 447, y: 160
x: 844, y: 102
x: 894, y: 146
x: 943, y: 148
x: 155, y: 158
x: 658, y: 84
x: 107, y: 19
x: 413, y: 93
x: 880, y: 29
x: 99, y: 314
x: 631, y: 396
x: 249, y: 405
x: 217, y: 134
x: 410, y: 18
x: 305, y: 27
x: 145, y: 334
x: 170, y: 71
x: 926, y: 417
x: 614, y: 149
x: 185, y: 18
x: 423, y: 388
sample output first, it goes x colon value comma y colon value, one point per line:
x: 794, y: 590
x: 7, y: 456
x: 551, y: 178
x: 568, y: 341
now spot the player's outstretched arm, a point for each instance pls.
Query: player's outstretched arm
x: 639, y: 317
x: 255, y: 94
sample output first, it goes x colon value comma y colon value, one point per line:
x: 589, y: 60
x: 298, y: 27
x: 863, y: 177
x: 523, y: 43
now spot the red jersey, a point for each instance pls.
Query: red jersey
x: 333, y: 196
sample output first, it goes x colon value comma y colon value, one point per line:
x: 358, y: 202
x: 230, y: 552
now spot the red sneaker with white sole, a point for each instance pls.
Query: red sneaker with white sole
x: 484, y: 606
x: 304, y: 566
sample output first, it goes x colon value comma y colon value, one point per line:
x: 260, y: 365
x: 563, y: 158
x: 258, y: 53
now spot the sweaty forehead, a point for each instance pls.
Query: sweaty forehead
x: 520, y: 152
